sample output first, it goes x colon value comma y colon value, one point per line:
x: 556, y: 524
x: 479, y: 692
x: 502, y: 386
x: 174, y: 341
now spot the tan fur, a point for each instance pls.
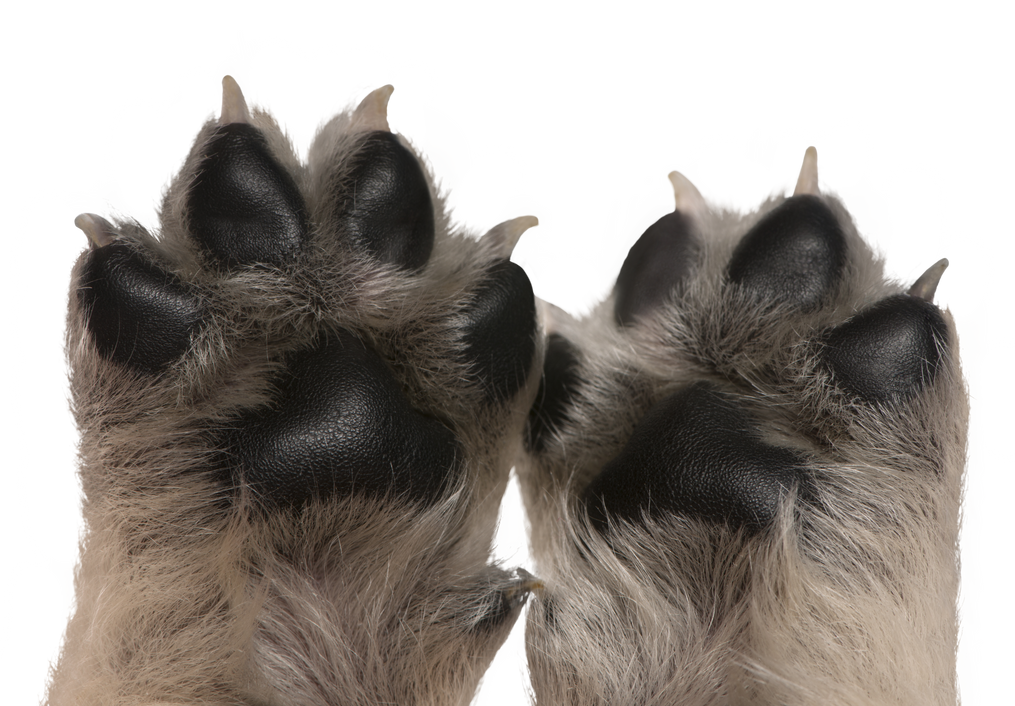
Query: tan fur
x: 187, y: 594
x: 854, y: 604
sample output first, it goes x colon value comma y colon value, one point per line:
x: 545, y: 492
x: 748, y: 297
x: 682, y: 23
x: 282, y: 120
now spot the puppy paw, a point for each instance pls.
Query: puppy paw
x: 743, y: 471
x: 299, y: 401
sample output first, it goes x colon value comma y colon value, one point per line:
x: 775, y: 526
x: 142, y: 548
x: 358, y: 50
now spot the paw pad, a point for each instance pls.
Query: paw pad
x: 338, y: 425
x: 139, y: 315
x: 244, y: 207
x: 696, y: 454
x: 499, y: 330
x: 557, y: 389
x: 888, y: 352
x: 795, y: 253
x: 656, y: 266
x: 385, y: 204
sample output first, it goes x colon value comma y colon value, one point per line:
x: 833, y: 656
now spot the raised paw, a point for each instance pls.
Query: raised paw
x: 299, y: 401
x: 743, y: 471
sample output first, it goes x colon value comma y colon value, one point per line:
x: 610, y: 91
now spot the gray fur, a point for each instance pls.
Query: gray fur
x: 182, y: 597
x: 854, y: 604
x: 367, y: 601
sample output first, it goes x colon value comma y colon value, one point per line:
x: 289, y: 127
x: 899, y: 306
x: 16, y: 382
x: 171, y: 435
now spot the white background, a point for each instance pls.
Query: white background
x: 574, y: 113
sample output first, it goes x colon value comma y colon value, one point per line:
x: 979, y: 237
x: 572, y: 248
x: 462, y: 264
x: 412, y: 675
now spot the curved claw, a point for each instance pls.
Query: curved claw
x: 511, y: 228
x: 372, y: 112
x: 382, y: 98
x: 234, y: 106
x: 925, y: 287
x: 689, y: 200
x: 807, y: 182
x: 99, y: 231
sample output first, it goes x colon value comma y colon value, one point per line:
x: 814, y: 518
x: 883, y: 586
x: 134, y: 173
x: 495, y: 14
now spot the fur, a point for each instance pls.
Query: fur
x: 188, y: 593
x: 853, y: 603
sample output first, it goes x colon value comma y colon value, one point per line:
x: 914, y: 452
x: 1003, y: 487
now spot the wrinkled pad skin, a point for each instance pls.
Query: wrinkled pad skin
x: 244, y: 208
x: 138, y: 314
x: 340, y: 424
x: 499, y: 331
x: 696, y: 454
x: 388, y: 210
x: 795, y: 254
x: 557, y: 388
x: 888, y: 352
x: 655, y: 267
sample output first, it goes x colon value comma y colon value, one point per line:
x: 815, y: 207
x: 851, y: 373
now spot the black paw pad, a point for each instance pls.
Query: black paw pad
x: 499, y: 330
x: 244, y: 208
x: 557, y: 388
x: 655, y: 266
x: 387, y: 208
x: 138, y: 314
x: 887, y: 352
x: 795, y: 254
x: 340, y: 424
x: 696, y: 454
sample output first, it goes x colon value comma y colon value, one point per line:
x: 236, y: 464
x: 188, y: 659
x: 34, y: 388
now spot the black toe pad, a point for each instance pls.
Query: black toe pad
x: 696, y: 454
x: 138, y: 314
x: 656, y: 266
x: 499, y: 330
x: 244, y: 208
x: 557, y: 388
x: 387, y: 209
x: 889, y: 351
x: 340, y: 424
x: 794, y: 254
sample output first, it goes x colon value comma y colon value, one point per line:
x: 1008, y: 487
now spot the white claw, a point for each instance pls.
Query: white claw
x: 689, y: 200
x: 807, y: 182
x: 234, y: 107
x: 382, y: 98
x: 504, y: 236
x: 926, y: 285
x: 99, y: 231
x: 369, y: 107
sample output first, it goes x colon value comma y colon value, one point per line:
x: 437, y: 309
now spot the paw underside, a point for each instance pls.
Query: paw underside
x: 308, y: 388
x: 337, y: 419
x: 742, y: 471
x: 299, y: 404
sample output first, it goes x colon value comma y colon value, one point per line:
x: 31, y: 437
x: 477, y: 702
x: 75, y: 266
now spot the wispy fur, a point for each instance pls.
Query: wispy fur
x: 187, y: 593
x: 849, y: 600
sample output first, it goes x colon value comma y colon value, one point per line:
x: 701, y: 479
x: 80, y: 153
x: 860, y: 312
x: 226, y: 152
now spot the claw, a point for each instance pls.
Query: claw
x: 370, y: 107
x: 689, y: 200
x: 807, y: 182
x: 99, y: 231
x: 926, y: 285
x: 504, y: 236
x: 522, y: 589
x: 383, y: 99
x: 234, y: 107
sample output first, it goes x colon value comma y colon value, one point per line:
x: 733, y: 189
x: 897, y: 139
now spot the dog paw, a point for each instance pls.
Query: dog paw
x: 299, y: 402
x: 743, y: 471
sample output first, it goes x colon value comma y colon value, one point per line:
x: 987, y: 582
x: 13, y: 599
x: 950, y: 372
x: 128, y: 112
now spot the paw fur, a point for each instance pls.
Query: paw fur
x: 743, y: 469
x: 299, y: 401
